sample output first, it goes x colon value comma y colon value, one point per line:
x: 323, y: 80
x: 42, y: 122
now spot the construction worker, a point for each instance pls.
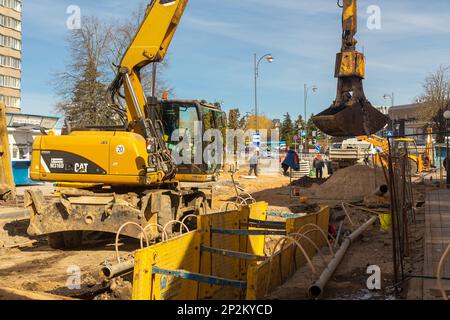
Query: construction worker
x: 291, y: 161
x: 319, y: 164
x: 329, y: 165
x: 254, y: 163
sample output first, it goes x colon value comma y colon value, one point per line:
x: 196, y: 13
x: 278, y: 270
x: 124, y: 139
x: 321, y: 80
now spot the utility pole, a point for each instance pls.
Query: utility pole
x: 305, y: 95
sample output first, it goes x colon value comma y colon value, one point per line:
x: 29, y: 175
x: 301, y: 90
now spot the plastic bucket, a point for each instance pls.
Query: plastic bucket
x: 385, y: 221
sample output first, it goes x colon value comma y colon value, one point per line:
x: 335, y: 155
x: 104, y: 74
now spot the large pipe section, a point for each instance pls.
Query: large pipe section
x: 381, y: 190
x: 315, y: 290
x: 112, y: 271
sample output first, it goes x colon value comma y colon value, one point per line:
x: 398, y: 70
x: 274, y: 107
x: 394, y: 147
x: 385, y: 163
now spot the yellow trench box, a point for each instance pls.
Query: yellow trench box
x: 224, y: 259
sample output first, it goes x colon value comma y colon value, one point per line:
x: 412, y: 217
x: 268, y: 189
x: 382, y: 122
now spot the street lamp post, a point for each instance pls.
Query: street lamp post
x: 447, y: 167
x: 306, y: 90
x: 390, y: 97
x: 269, y: 59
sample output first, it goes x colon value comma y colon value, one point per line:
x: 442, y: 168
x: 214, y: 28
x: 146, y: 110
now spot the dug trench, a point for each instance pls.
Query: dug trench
x: 30, y: 264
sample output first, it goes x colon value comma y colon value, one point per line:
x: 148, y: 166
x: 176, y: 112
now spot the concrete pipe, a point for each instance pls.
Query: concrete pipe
x: 381, y: 190
x: 315, y: 291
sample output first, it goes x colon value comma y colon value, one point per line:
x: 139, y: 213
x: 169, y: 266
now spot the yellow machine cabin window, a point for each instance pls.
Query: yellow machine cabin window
x: 179, y: 123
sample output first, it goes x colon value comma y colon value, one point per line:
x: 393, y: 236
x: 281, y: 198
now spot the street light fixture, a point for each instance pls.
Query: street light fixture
x: 447, y: 167
x: 269, y: 58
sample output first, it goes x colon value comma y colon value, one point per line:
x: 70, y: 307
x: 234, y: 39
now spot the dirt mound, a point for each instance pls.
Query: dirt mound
x: 349, y: 184
x: 306, y: 182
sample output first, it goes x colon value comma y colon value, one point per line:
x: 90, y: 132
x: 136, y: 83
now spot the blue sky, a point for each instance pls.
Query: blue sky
x: 211, y: 56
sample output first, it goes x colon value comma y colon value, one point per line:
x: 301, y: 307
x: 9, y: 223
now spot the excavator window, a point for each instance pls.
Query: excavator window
x: 181, y: 118
x: 209, y: 119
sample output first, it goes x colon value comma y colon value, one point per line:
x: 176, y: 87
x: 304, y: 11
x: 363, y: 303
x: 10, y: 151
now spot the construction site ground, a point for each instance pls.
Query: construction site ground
x: 31, y: 265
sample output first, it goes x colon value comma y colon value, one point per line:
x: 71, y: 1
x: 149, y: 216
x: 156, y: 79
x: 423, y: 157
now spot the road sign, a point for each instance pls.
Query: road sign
x: 318, y: 148
x: 256, y: 139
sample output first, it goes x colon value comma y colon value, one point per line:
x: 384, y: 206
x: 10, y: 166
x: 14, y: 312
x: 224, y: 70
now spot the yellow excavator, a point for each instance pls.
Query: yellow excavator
x: 7, y: 186
x: 351, y: 114
x: 417, y: 162
x: 127, y: 176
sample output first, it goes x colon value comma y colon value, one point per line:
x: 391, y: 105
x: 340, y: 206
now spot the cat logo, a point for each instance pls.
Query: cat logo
x: 81, y: 167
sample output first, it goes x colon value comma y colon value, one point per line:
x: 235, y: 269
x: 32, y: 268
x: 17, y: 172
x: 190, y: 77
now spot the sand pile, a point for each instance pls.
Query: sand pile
x: 349, y: 184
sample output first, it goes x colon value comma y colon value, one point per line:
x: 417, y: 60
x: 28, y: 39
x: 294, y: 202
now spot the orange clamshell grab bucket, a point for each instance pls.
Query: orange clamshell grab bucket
x: 352, y: 119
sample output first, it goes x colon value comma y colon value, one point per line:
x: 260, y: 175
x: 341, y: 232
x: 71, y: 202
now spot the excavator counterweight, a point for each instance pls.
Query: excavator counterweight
x: 351, y: 114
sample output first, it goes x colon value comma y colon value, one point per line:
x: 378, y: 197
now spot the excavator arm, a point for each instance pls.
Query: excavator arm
x: 376, y: 141
x: 149, y: 45
x: 351, y: 114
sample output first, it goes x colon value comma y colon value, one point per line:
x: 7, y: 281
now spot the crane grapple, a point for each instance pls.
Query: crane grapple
x: 351, y: 114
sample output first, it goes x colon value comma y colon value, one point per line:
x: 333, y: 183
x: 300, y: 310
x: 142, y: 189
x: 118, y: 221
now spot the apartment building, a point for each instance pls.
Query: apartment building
x: 10, y: 54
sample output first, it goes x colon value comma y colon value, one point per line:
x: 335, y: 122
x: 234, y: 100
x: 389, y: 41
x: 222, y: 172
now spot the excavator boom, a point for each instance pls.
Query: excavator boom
x: 149, y: 45
x: 351, y: 114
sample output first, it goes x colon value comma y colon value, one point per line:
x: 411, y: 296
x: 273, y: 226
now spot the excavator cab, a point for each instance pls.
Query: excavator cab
x: 191, y: 120
x: 351, y: 114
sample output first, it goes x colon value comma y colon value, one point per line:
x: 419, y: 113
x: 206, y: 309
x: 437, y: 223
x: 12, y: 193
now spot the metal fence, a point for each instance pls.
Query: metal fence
x: 415, y: 207
x: 402, y: 203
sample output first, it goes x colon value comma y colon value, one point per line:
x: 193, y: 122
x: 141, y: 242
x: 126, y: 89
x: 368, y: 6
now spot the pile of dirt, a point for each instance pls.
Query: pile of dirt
x: 307, y: 182
x: 349, y: 184
x: 13, y: 232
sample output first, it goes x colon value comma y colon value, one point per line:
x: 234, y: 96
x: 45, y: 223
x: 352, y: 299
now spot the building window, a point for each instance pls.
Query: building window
x: 9, y: 82
x: 12, y: 4
x: 10, y: 62
x: 9, y: 22
x: 10, y: 102
x: 10, y: 42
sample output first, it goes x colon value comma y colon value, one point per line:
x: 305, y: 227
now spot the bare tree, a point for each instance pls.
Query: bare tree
x: 95, y: 52
x: 81, y: 86
x: 436, y: 98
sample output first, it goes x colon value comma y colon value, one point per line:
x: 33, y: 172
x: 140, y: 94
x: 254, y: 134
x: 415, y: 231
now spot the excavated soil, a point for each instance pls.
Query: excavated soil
x: 349, y: 184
